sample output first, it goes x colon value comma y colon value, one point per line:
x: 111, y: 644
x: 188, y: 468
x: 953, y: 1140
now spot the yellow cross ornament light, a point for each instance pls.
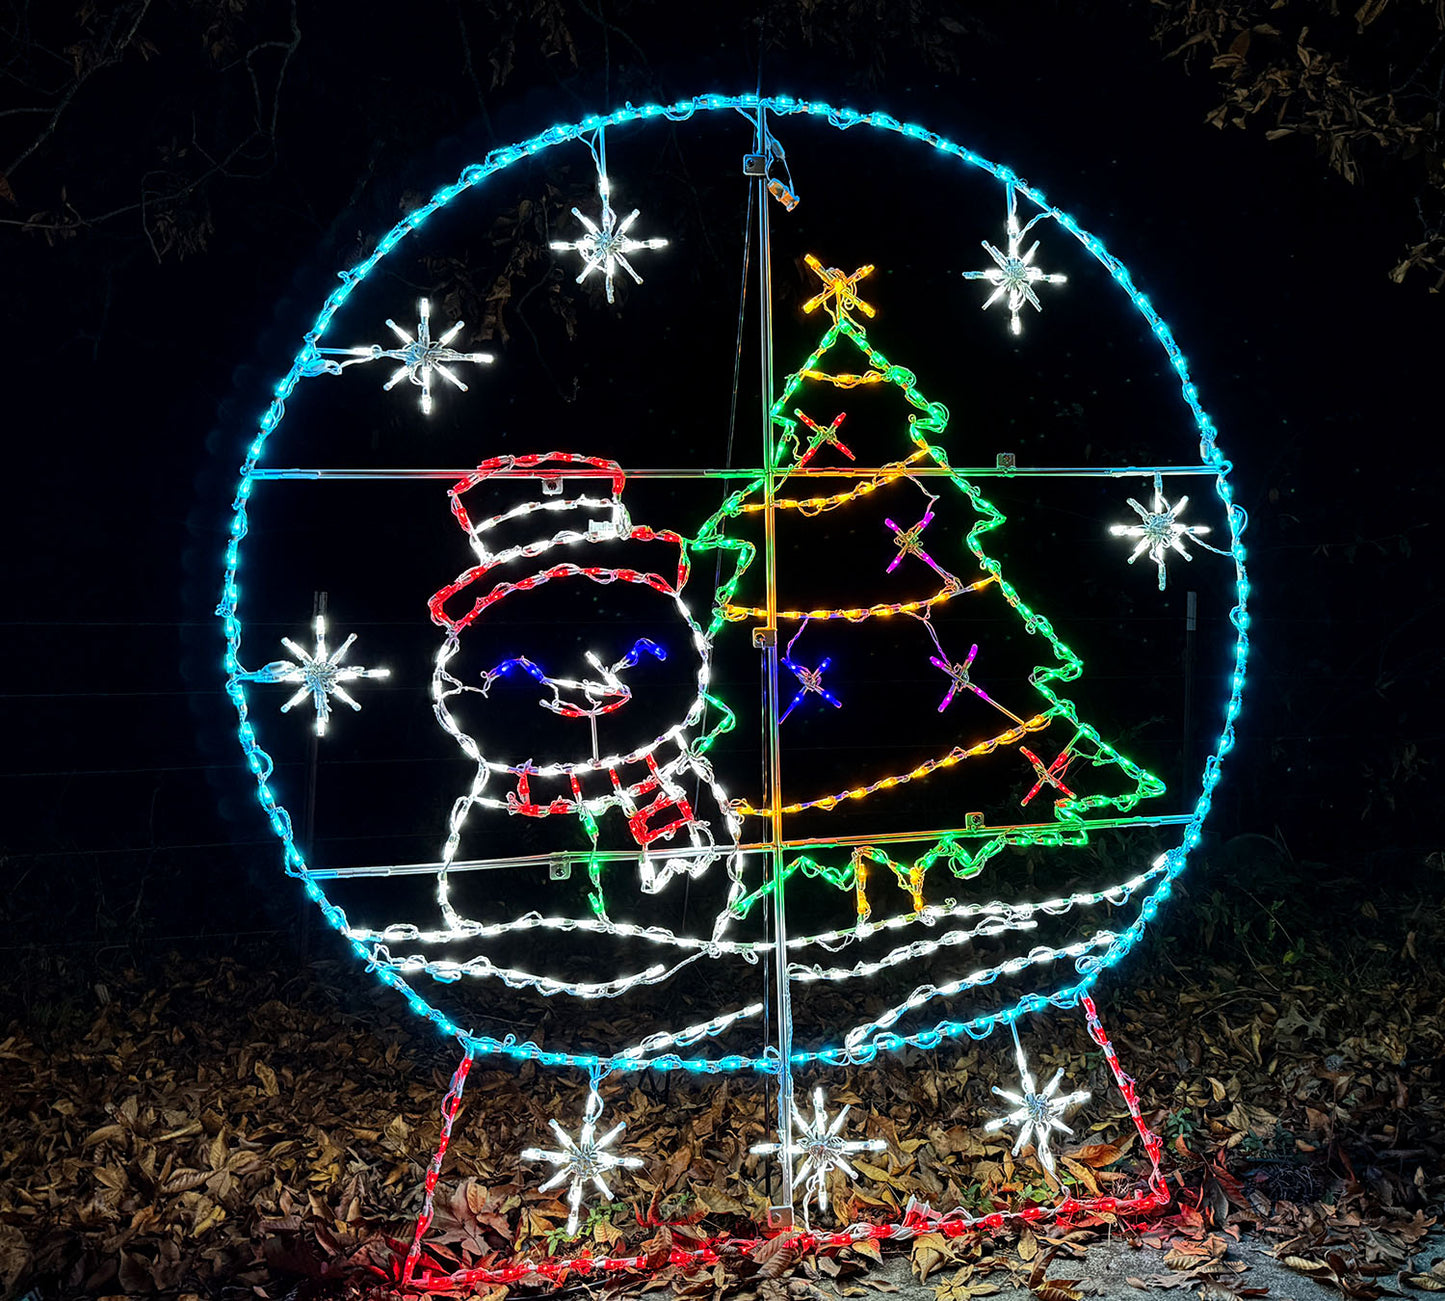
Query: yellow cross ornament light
x: 842, y: 289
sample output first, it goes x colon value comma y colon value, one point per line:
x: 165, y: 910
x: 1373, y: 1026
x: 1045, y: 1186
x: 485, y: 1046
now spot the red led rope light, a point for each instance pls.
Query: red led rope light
x: 451, y: 1104
x: 711, y: 1250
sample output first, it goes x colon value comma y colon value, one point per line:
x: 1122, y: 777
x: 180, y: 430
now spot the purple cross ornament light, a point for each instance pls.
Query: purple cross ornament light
x: 957, y: 674
x: 959, y: 680
x: 908, y: 544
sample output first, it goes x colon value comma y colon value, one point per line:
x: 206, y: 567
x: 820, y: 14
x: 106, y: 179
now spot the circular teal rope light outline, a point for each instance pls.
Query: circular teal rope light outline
x: 309, y: 362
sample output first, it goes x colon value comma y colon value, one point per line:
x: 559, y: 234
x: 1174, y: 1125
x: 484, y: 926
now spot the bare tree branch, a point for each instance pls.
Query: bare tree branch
x: 166, y: 191
x: 1288, y: 67
x: 113, y: 52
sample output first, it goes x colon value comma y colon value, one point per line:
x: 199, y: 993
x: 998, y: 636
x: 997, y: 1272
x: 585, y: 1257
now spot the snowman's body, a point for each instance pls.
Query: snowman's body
x: 649, y: 791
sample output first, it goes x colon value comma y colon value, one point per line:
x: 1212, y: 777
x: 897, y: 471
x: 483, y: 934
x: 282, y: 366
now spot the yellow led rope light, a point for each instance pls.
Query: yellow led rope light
x: 856, y: 614
x: 810, y: 506
x: 910, y: 877
x: 829, y: 802
x: 845, y: 381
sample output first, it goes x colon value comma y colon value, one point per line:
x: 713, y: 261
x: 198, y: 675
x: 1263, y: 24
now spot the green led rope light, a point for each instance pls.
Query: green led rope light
x: 1071, y: 815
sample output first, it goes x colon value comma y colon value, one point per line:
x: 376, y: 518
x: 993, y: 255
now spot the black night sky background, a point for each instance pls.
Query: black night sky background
x: 181, y: 181
x: 140, y: 350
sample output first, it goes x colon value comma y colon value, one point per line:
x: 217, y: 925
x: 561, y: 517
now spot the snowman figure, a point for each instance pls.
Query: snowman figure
x: 584, y: 739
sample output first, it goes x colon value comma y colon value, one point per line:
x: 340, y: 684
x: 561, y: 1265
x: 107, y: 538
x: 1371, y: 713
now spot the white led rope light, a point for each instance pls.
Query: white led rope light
x: 995, y: 913
x: 675, y: 752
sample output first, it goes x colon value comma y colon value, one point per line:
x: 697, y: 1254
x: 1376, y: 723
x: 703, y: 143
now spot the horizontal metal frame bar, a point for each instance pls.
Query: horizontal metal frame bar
x: 579, y: 858
x: 652, y: 472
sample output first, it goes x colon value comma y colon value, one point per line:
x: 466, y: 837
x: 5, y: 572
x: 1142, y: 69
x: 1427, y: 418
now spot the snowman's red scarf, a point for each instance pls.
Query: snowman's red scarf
x: 669, y: 797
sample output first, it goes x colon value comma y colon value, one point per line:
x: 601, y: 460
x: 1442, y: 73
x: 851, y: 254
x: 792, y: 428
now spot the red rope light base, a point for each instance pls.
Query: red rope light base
x: 411, y: 1275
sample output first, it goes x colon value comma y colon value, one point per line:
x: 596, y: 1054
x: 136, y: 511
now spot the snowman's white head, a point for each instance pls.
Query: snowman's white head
x: 586, y: 706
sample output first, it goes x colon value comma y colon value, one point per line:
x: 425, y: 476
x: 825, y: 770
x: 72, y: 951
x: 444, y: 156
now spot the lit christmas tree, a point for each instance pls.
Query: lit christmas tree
x: 939, y: 598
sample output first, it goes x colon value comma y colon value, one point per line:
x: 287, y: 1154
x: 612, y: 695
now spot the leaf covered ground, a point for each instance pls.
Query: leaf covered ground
x: 197, y: 1127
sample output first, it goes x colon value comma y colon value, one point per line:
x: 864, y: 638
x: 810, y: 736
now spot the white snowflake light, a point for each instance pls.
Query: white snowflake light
x: 319, y: 674
x: 1014, y: 275
x: 606, y: 244
x: 1037, y: 1114
x: 584, y: 1159
x: 1160, y: 530
x: 818, y: 1148
x: 419, y: 356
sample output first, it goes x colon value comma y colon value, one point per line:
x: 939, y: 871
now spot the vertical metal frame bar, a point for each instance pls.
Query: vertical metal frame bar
x: 781, y: 1213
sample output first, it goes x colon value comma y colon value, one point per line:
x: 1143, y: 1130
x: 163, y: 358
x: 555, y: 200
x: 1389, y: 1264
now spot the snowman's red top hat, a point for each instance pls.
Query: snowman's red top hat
x: 551, y: 469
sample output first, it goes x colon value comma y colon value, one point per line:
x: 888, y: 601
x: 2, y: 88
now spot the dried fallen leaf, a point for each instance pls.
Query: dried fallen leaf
x: 1181, y: 1258
x: 1082, y: 1173
x: 658, y: 1248
x: 775, y: 1256
x: 867, y: 1247
x: 1216, y: 1292
x: 105, y: 1134
x: 956, y: 1288
x: 1099, y: 1155
x: 875, y: 1173
x: 719, y: 1202
x: 182, y: 1181
x: 268, y: 1079
x: 14, y: 1256
x: 928, y: 1252
x: 1056, y: 1292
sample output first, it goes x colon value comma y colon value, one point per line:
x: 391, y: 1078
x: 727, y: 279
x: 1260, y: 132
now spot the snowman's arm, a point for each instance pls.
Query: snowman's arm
x: 724, y: 725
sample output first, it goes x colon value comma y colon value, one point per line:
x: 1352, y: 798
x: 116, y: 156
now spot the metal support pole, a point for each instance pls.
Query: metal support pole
x: 308, y: 817
x: 1191, y: 622
x: 780, y: 1214
x: 341, y: 473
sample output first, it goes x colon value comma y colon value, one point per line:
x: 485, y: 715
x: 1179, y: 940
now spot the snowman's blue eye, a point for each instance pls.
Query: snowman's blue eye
x: 640, y: 645
x: 628, y: 661
x: 522, y: 662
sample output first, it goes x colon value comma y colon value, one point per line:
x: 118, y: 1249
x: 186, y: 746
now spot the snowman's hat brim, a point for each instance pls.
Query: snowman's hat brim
x: 527, y: 567
x: 548, y: 469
